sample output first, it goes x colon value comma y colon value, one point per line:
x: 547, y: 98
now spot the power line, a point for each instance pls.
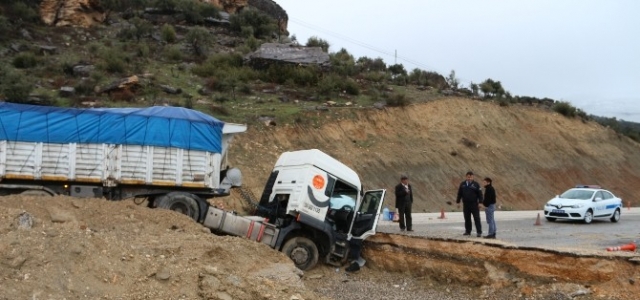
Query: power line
x: 368, y: 46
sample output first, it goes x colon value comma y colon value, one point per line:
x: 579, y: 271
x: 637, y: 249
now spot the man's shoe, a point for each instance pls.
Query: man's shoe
x: 479, y: 234
x: 354, y: 267
x: 409, y: 229
x: 466, y: 233
x: 401, y: 229
x: 490, y: 236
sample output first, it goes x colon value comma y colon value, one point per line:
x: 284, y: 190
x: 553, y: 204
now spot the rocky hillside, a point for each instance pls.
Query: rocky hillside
x: 531, y: 154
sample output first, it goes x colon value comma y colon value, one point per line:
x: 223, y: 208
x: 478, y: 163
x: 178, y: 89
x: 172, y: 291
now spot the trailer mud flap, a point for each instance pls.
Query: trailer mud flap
x: 252, y: 228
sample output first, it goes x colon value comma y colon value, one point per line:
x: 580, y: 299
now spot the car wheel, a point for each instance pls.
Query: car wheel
x: 588, y: 216
x: 551, y: 219
x: 616, y: 216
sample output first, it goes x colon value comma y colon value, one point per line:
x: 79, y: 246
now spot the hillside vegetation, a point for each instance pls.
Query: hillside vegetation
x: 530, y: 153
x: 380, y: 119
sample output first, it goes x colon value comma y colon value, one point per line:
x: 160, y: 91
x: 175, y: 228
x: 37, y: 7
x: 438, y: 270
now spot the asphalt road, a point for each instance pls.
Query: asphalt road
x: 518, y: 228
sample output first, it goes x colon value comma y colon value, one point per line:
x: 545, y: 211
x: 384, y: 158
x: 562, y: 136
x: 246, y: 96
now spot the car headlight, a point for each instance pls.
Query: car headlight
x: 577, y: 206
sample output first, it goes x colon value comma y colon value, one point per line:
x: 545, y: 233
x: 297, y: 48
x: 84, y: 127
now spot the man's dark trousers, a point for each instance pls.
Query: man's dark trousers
x: 468, y: 210
x: 405, y: 215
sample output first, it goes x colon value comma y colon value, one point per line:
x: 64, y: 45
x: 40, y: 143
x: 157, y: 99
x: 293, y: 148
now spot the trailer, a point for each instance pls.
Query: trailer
x: 174, y: 156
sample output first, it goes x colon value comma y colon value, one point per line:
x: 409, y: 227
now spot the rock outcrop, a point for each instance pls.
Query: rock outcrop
x: 83, y: 13
x: 272, y: 53
x: 230, y: 6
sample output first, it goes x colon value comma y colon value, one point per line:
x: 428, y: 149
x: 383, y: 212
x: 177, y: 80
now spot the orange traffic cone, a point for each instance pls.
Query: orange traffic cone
x: 538, y: 221
x: 442, y: 214
x: 627, y: 247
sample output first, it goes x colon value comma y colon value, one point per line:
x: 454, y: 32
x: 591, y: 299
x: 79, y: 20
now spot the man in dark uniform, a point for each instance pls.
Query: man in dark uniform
x: 471, y: 195
x: 404, y: 199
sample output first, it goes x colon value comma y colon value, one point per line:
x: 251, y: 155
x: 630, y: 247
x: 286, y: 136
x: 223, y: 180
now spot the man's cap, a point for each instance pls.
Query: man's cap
x: 404, y: 177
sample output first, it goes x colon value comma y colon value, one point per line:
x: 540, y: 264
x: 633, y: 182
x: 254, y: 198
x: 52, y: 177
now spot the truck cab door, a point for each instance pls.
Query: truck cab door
x: 367, y: 214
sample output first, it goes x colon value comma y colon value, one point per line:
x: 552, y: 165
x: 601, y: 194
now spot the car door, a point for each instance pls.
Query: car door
x: 610, y: 202
x: 367, y: 214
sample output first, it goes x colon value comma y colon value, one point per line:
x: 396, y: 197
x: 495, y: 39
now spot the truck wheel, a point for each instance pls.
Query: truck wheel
x: 183, y: 203
x: 302, y: 251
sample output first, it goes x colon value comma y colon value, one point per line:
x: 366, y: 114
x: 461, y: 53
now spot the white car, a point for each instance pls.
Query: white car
x: 586, y: 203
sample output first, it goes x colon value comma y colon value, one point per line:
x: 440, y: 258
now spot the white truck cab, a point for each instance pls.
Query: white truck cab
x: 312, y: 196
x: 312, y: 207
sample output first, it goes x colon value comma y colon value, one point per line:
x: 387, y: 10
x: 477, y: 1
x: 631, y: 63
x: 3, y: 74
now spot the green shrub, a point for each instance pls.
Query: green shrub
x: 173, y: 53
x: 168, y: 33
x: 398, y: 100
x: 306, y: 76
x: 278, y: 73
x: 23, y: 12
x: 199, y: 38
x: 565, y: 109
x: 218, y: 63
x: 25, y: 60
x: 113, y: 61
x: 351, y: 87
x: 253, y: 43
x: 137, y: 29
x: 14, y: 86
x: 5, y: 27
x: 329, y: 85
x: 376, y: 77
x: 143, y: 50
x: 315, y: 41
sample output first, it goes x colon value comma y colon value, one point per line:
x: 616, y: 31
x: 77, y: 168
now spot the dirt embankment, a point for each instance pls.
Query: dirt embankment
x: 507, y: 272
x: 531, y: 154
x: 63, y: 248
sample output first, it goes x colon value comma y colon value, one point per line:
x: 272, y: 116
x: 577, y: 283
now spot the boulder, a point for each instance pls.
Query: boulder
x: 121, y: 84
x: 84, y: 13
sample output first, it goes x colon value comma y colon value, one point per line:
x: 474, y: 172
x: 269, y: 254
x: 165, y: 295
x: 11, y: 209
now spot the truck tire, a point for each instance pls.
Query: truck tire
x: 183, y: 203
x: 302, y: 251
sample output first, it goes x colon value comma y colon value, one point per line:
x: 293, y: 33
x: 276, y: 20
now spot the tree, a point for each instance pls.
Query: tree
x: 491, y: 88
x: 474, y: 88
x: 199, y: 38
x: 397, y: 69
x: 452, y: 80
x: 315, y: 41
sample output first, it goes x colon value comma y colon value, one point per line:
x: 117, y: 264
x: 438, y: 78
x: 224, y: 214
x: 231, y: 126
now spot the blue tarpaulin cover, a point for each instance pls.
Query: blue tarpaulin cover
x: 153, y: 126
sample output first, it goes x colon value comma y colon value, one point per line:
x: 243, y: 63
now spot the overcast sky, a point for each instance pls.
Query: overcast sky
x: 585, y: 52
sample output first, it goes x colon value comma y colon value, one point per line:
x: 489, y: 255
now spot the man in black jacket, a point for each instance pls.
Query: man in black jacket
x: 404, y: 199
x: 471, y: 195
x: 489, y: 204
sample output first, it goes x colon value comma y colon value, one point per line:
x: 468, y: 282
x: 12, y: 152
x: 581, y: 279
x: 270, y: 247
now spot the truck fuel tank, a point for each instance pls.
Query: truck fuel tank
x: 250, y: 227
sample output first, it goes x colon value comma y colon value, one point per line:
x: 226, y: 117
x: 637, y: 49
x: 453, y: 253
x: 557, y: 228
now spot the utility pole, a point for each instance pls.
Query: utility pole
x: 395, y: 59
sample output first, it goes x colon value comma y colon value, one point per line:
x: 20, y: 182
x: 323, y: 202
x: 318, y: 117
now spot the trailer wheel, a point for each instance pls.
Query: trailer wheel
x: 183, y: 203
x: 302, y: 251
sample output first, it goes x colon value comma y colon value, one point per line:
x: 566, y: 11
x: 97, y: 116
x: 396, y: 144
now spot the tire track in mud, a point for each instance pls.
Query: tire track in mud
x: 500, y: 266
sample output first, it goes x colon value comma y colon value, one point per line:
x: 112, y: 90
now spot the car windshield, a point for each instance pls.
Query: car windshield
x: 577, y: 194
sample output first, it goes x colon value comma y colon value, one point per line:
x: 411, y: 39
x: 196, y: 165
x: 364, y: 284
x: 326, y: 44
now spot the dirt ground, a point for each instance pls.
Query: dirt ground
x: 64, y: 248
x: 69, y: 248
